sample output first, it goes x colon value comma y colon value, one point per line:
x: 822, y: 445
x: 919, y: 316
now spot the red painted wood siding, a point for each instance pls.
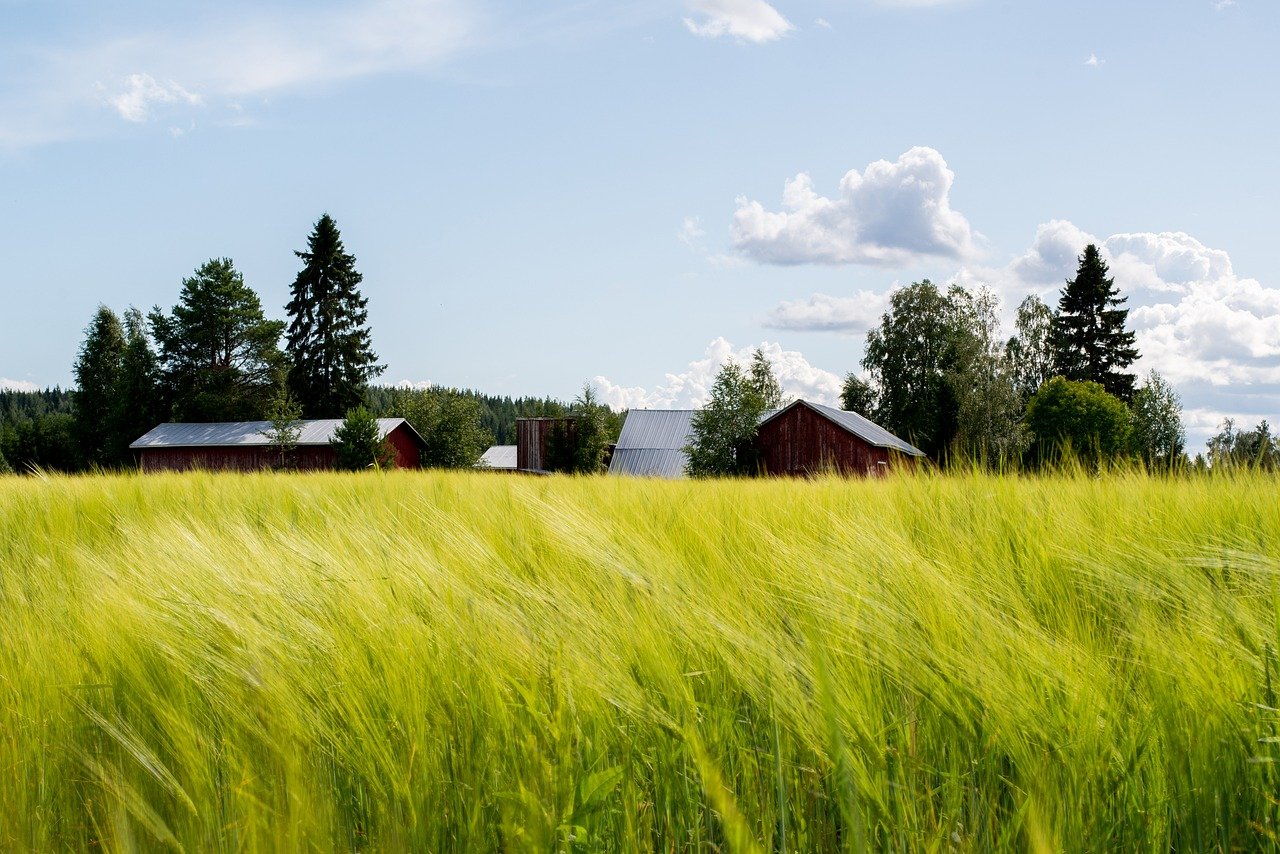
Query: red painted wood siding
x: 800, y: 442
x: 306, y: 458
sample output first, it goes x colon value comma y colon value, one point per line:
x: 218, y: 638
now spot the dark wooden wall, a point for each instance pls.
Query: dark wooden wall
x: 532, y: 435
x: 257, y: 457
x: 800, y: 442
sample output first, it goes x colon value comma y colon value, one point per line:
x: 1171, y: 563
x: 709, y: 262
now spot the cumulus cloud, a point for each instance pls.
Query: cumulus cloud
x: 746, y: 20
x: 134, y: 102
x: 7, y: 384
x: 889, y: 215
x: 690, y: 388
x: 825, y: 313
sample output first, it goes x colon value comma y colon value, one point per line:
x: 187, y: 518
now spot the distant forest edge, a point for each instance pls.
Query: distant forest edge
x: 37, y: 427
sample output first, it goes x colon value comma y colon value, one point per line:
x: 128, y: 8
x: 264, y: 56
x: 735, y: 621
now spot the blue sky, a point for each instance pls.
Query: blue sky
x: 542, y: 194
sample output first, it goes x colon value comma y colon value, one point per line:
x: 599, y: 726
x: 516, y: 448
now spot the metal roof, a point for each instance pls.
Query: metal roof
x: 648, y: 462
x: 248, y: 434
x: 652, y: 441
x: 498, y: 457
x: 867, y: 431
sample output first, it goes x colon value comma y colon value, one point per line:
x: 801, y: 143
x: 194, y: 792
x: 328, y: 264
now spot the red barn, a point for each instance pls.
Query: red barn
x: 808, y: 438
x: 244, y: 446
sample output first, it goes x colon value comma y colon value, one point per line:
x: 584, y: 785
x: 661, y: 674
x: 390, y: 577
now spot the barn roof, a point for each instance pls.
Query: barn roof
x: 652, y: 442
x: 498, y: 457
x: 867, y: 431
x: 249, y: 434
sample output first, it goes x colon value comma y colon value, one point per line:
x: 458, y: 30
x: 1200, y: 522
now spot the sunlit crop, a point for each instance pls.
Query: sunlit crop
x: 433, y: 662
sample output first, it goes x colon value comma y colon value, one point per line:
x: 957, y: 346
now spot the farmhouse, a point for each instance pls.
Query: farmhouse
x: 244, y: 446
x: 800, y: 439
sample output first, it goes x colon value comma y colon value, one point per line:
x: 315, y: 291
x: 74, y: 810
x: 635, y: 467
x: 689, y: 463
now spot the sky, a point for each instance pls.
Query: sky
x: 547, y: 194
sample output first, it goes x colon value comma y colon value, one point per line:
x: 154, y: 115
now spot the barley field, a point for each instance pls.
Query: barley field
x: 469, y: 662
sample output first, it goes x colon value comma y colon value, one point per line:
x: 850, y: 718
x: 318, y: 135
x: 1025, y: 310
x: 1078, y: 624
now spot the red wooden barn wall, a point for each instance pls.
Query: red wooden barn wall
x: 801, y: 442
x: 256, y: 457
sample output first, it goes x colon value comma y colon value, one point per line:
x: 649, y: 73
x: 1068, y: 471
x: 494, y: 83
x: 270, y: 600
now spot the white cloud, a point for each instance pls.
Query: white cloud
x: 890, y: 215
x: 247, y: 53
x: 7, y: 384
x: 690, y: 389
x: 691, y: 232
x: 746, y: 20
x: 824, y: 313
x: 142, y: 91
x: 1223, y: 4
x: 824, y: 23
x: 1053, y: 256
x: 1094, y: 62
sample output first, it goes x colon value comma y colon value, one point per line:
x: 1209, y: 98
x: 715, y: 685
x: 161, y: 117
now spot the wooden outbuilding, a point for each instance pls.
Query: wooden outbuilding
x: 808, y: 439
x: 246, y: 446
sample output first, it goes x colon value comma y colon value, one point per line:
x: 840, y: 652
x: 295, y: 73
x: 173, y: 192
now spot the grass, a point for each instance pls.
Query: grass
x: 434, y: 662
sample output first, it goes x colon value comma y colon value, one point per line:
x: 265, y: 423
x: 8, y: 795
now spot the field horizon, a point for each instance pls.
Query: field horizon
x: 441, y: 661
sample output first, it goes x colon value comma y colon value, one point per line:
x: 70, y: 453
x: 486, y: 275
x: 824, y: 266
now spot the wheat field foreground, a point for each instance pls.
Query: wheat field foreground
x: 434, y: 662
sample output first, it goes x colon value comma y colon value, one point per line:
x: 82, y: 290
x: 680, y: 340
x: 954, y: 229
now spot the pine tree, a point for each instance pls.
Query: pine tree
x: 98, y: 370
x: 1090, y: 342
x: 329, y: 344
x: 218, y: 354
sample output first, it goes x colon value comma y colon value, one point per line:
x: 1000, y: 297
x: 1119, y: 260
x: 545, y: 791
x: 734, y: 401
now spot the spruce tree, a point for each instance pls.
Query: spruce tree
x: 1090, y: 342
x: 329, y: 349
x: 137, y: 405
x: 97, y: 371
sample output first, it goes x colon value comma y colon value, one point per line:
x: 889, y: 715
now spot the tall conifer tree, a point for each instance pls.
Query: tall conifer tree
x: 329, y: 346
x: 1090, y: 341
x: 98, y: 370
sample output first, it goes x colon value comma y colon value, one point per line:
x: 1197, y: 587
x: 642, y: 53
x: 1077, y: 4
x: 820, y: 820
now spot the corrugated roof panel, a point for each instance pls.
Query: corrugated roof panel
x: 656, y: 428
x: 232, y: 434
x: 498, y: 457
x: 648, y: 462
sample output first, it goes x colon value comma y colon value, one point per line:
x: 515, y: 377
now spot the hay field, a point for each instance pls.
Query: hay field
x: 437, y: 662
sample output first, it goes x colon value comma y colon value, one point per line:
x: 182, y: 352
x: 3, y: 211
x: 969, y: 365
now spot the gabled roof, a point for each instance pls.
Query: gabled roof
x: 249, y: 434
x: 867, y: 431
x: 498, y: 457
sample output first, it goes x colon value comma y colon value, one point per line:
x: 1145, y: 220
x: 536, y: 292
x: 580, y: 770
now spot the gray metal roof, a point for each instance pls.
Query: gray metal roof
x: 648, y: 462
x: 245, y: 434
x: 867, y: 431
x: 498, y: 457
x: 652, y: 442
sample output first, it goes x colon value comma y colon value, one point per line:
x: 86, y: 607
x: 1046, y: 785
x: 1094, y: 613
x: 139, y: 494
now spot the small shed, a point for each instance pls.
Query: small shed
x: 498, y: 458
x: 245, y: 446
x: 536, y: 440
x: 809, y: 438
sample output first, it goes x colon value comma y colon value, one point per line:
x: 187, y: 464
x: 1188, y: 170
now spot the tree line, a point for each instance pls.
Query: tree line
x: 937, y: 373
x: 216, y: 356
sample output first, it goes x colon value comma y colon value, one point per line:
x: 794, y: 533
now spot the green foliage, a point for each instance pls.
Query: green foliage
x: 1158, y: 437
x: 449, y: 422
x: 218, y: 354
x: 497, y: 414
x: 593, y: 433
x: 763, y: 383
x: 329, y: 345
x: 1077, y: 419
x: 723, y: 437
x: 98, y: 371
x: 286, y: 427
x: 5, y: 468
x: 46, y: 442
x: 1090, y: 342
x: 137, y: 405
x: 1030, y: 352
x: 359, y: 445
x: 989, y: 430
x: 857, y: 395
x: 1234, y: 448
x: 462, y: 662
x: 909, y: 358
